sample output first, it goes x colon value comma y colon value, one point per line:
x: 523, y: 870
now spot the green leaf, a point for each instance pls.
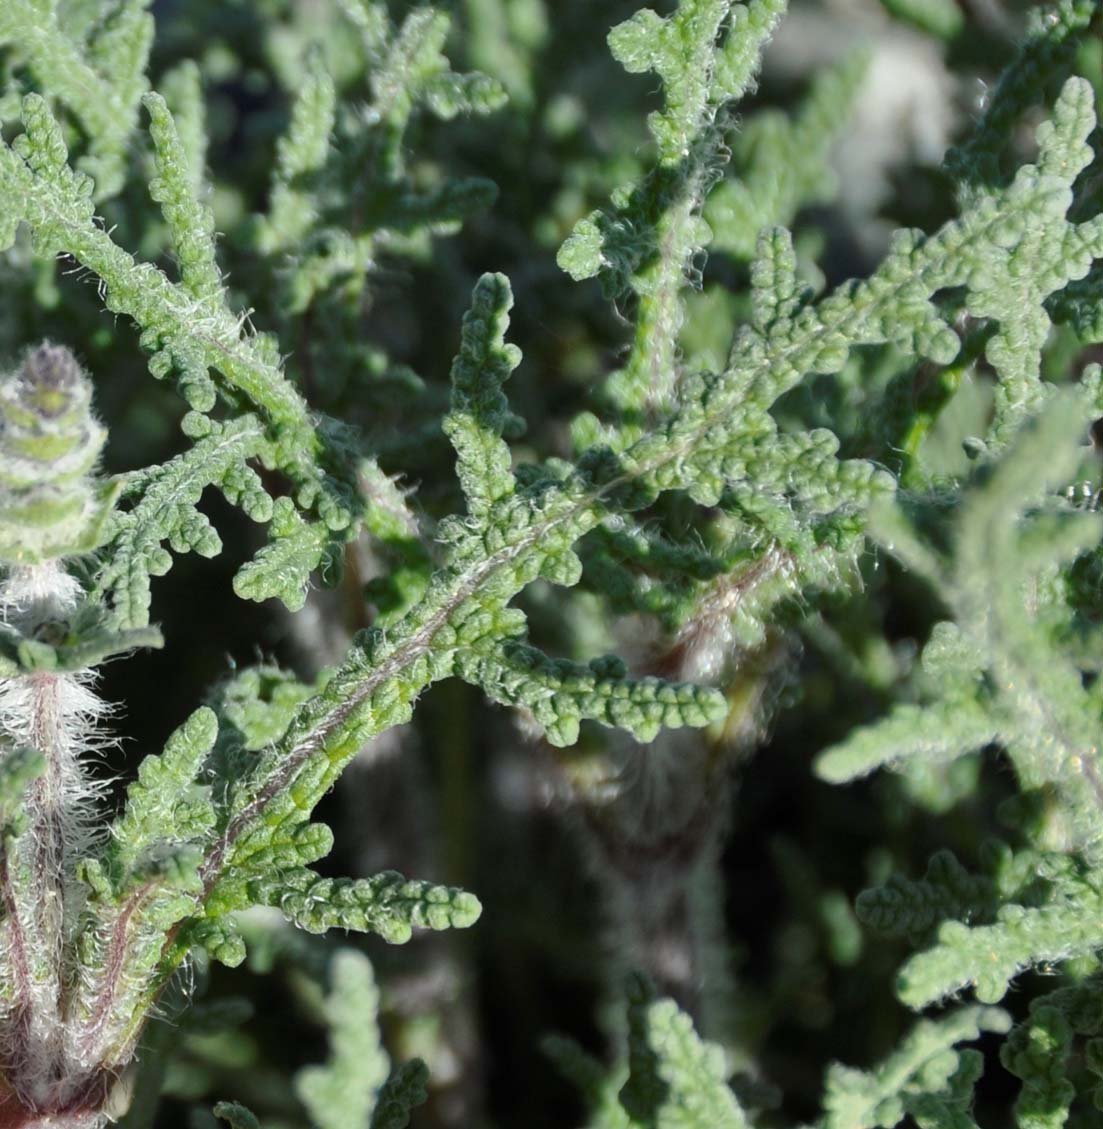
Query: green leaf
x: 387, y: 903
x: 676, y: 1080
x: 164, y: 509
x: 933, y: 734
x: 18, y: 770
x: 99, y: 80
x: 781, y: 164
x: 343, y: 1092
x: 164, y: 805
x: 282, y: 569
x: 988, y: 957
x: 191, y: 222
x: 300, y: 156
x: 559, y: 693
x: 400, y: 1095
x: 924, y: 1064
x: 480, y: 414
x: 236, y: 1116
x: 1038, y: 1053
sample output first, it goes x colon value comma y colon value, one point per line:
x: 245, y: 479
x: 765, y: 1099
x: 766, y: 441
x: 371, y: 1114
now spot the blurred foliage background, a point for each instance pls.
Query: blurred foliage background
x: 737, y: 895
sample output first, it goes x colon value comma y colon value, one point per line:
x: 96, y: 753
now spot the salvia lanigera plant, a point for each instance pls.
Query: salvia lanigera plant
x: 763, y: 486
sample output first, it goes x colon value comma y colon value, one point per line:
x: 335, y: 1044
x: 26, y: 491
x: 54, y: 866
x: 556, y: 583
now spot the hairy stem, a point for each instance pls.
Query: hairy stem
x: 54, y: 714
